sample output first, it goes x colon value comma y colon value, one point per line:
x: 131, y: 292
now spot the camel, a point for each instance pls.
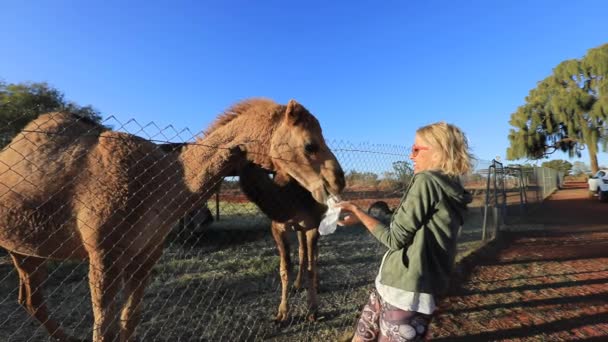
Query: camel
x: 70, y: 189
x: 291, y: 208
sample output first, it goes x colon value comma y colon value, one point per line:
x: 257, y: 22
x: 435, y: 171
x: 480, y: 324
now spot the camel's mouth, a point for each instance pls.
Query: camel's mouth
x: 323, y: 193
x: 320, y: 188
x: 320, y: 195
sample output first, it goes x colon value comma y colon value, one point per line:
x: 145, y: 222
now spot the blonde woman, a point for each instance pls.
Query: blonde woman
x: 421, y: 238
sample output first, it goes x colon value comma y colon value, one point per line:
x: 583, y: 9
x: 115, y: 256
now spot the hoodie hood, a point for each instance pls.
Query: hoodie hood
x: 452, y: 187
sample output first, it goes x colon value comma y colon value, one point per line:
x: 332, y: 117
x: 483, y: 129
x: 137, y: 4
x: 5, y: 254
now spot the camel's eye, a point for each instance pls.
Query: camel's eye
x: 311, y: 148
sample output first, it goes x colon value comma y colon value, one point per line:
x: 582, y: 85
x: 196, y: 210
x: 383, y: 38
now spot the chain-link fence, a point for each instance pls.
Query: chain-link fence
x: 513, y: 191
x: 218, y: 276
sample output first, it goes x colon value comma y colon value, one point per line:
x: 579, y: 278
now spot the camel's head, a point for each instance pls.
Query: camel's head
x: 298, y: 149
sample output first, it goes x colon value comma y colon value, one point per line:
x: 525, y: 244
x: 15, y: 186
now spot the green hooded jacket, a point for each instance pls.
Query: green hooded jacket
x: 422, y: 234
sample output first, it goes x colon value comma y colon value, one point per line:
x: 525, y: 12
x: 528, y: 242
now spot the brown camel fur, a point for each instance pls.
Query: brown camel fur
x: 292, y: 208
x: 71, y: 190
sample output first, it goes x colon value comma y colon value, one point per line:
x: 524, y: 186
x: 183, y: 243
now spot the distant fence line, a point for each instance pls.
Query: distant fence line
x: 220, y: 264
x: 509, y: 190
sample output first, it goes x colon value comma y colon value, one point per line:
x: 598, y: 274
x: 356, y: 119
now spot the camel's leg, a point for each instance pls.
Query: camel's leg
x: 316, y: 278
x: 302, y: 257
x: 312, y: 238
x: 32, y: 273
x: 280, y: 237
x: 105, y: 282
x: 136, y: 278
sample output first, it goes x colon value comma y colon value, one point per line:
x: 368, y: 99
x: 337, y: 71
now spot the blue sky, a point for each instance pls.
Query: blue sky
x: 371, y: 71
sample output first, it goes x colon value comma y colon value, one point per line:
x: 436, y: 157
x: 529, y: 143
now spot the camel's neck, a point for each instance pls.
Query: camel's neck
x: 205, y: 163
x: 208, y: 160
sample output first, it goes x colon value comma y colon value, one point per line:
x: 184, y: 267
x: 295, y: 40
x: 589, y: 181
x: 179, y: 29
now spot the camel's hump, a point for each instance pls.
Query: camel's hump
x: 63, y: 124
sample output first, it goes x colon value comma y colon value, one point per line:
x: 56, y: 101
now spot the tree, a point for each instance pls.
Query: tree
x: 20, y: 103
x: 403, y: 171
x: 559, y: 165
x: 567, y: 111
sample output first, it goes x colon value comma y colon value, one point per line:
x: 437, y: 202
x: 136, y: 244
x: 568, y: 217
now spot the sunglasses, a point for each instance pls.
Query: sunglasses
x: 417, y: 149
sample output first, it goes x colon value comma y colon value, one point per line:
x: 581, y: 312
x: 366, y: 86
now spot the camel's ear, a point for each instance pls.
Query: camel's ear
x: 293, y: 112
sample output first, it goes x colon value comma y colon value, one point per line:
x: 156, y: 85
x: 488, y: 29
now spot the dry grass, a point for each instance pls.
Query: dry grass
x: 222, y: 284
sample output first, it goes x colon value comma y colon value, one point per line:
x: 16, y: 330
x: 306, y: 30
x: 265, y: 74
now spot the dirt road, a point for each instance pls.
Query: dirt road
x: 549, y: 282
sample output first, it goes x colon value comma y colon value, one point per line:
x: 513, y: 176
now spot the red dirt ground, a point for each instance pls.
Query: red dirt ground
x: 549, y: 282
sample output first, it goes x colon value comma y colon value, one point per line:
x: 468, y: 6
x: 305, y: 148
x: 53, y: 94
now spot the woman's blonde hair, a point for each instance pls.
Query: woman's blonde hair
x: 453, y: 146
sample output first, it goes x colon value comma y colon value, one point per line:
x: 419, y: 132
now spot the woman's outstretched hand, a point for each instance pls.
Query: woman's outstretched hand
x: 352, y: 213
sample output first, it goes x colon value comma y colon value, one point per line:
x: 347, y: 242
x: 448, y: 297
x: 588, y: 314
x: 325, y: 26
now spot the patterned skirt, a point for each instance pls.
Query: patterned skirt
x: 383, y: 322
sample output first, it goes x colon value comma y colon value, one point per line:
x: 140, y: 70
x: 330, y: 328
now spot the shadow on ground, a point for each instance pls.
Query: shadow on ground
x: 548, y: 284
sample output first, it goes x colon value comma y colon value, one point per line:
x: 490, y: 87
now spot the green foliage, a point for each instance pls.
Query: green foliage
x: 558, y: 164
x: 567, y: 111
x: 22, y: 102
x: 403, y: 171
x: 526, y: 166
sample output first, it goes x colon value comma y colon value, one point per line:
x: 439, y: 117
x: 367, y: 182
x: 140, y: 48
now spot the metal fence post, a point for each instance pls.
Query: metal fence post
x: 484, y: 227
x: 495, y: 209
x: 504, y: 195
x: 217, y: 203
x: 521, y: 191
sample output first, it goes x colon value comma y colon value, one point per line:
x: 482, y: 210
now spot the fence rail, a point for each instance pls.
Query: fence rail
x: 218, y: 277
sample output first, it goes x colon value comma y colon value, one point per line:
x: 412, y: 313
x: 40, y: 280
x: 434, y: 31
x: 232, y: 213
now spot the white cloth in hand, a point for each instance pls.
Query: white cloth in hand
x: 330, y: 218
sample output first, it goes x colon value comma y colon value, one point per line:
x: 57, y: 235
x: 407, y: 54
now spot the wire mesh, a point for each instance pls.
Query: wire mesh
x: 218, y: 276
